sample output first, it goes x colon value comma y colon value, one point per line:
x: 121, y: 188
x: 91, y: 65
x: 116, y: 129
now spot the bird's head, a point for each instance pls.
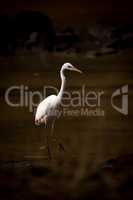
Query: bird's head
x: 70, y: 67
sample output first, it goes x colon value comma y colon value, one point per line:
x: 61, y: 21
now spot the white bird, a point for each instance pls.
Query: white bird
x: 45, y: 112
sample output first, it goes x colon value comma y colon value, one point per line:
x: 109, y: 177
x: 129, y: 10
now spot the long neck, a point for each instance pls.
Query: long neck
x: 63, y: 84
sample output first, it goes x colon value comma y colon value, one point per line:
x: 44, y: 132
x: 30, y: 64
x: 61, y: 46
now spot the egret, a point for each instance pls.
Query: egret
x: 45, y: 112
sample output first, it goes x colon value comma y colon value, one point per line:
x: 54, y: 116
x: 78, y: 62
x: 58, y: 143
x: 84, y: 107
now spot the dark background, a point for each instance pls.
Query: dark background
x: 75, y: 11
x: 36, y: 38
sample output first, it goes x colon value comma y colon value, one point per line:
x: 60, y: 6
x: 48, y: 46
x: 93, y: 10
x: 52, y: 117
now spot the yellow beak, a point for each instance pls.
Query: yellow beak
x: 77, y: 70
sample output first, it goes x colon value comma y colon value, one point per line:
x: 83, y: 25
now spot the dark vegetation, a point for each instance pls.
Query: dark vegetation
x: 29, y: 31
x: 25, y: 30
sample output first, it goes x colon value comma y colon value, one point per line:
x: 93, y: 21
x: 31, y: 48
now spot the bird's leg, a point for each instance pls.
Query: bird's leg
x: 61, y: 147
x: 45, y: 122
x: 47, y: 140
x: 48, y: 147
x: 52, y: 128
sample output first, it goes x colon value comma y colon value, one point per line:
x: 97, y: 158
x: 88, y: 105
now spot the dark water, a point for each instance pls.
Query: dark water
x: 88, y: 140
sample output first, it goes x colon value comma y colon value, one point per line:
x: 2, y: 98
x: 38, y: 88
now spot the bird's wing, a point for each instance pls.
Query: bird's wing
x: 46, y: 106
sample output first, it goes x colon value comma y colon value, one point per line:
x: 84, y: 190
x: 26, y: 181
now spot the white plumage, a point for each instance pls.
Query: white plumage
x: 46, y: 110
x: 47, y: 107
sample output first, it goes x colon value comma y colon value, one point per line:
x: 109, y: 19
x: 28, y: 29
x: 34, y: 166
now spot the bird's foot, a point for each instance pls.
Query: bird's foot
x: 61, y: 147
